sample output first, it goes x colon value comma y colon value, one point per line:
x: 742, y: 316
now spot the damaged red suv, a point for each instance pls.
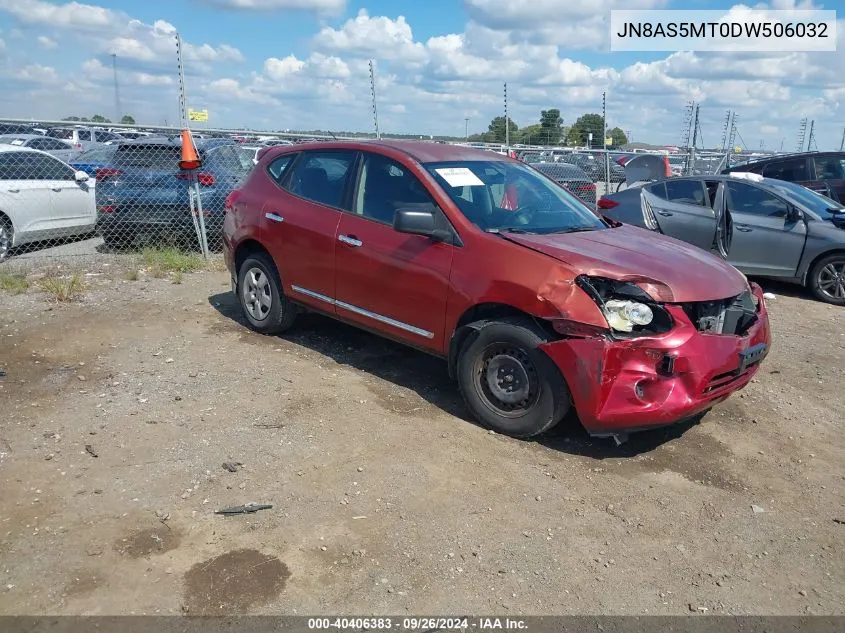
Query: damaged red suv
x: 536, y: 304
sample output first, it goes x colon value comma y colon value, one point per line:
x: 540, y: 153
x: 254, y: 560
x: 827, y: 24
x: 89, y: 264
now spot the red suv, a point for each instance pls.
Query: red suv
x: 536, y: 304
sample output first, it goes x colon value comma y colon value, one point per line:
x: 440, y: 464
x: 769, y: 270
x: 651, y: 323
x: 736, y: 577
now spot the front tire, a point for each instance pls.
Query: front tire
x: 264, y: 305
x: 7, y: 237
x: 508, y: 383
x: 827, y: 279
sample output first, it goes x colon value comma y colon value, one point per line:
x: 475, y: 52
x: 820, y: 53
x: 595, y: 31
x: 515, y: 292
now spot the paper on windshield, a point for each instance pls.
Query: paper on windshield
x: 17, y: 141
x: 459, y: 177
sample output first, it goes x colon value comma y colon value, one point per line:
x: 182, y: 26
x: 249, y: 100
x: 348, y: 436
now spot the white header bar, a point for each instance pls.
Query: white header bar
x: 739, y: 29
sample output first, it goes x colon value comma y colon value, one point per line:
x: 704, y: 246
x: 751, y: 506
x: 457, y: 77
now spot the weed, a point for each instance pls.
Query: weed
x: 176, y: 277
x: 63, y: 289
x: 170, y: 260
x: 131, y: 275
x: 13, y: 282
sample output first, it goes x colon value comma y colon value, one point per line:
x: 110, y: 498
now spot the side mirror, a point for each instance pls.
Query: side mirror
x: 421, y: 220
x: 81, y: 177
x: 794, y: 214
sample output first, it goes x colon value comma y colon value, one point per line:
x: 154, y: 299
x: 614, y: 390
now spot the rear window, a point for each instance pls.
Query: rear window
x: 790, y: 170
x: 60, y: 133
x: 150, y: 156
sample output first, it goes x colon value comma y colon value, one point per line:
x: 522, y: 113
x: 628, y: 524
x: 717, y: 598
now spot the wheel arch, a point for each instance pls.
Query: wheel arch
x: 476, y: 317
x: 246, y: 248
x: 805, y: 277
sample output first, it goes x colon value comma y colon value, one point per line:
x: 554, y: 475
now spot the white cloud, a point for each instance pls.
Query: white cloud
x: 283, y: 68
x: 380, y: 36
x: 36, y: 73
x: 85, y: 17
x: 46, y: 42
x: 327, y: 7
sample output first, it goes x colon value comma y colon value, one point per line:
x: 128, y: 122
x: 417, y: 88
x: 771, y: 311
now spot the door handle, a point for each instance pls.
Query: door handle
x: 274, y: 216
x: 743, y: 228
x: 350, y: 240
x: 56, y: 189
x: 665, y: 213
x: 14, y: 190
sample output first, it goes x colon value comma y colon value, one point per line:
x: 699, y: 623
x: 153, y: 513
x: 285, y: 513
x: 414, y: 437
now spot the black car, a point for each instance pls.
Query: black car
x: 573, y: 178
x: 594, y: 166
x: 820, y: 171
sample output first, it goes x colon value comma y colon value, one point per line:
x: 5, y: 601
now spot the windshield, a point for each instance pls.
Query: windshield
x: 503, y: 196
x: 99, y: 154
x: 816, y: 202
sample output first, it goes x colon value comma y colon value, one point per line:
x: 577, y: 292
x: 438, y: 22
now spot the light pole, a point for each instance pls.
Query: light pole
x: 466, y: 132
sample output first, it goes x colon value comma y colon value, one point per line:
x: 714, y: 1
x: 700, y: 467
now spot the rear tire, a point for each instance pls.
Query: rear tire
x: 7, y: 237
x: 827, y: 279
x: 508, y: 383
x: 264, y: 305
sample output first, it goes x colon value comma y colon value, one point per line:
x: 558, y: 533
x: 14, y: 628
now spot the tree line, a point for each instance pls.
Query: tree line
x: 99, y: 118
x: 550, y: 130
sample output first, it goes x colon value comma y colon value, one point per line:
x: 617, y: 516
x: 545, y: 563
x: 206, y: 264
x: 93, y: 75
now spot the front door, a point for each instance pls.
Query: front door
x: 767, y: 240
x: 387, y: 281
x: 300, y: 222
x: 73, y: 202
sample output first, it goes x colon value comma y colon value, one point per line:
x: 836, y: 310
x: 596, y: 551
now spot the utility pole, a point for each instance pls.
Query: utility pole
x: 811, y: 139
x: 466, y: 132
x: 373, y: 90
x: 507, y: 123
x: 694, y: 138
x: 604, y: 142
x: 842, y: 142
x: 116, y: 91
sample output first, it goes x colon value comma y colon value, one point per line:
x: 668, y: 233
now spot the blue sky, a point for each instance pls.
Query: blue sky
x: 302, y: 64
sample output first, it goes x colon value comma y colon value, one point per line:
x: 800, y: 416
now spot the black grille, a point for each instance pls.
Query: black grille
x: 728, y: 316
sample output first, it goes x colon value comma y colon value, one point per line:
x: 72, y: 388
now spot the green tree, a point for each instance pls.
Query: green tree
x: 497, y: 129
x: 128, y: 119
x: 71, y: 118
x: 585, y: 125
x: 618, y: 136
x: 530, y: 135
x: 552, y: 126
x: 99, y: 118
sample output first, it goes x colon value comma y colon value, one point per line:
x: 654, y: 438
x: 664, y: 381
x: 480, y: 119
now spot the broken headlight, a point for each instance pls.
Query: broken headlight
x: 627, y: 308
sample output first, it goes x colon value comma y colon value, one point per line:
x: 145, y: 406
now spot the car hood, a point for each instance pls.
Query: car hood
x: 670, y: 270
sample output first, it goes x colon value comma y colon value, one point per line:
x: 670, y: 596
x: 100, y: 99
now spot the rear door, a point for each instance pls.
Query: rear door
x: 72, y: 202
x: 681, y: 210
x: 765, y: 240
x: 300, y: 222
x: 23, y: 198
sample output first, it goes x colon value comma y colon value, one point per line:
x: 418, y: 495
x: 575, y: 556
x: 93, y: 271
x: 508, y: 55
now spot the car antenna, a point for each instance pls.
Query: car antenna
x: 333, y: 136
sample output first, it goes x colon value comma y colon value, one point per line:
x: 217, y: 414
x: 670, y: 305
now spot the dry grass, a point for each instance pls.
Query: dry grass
x: 13, y: 282
x: 131, y: 275
x: 63, y: 289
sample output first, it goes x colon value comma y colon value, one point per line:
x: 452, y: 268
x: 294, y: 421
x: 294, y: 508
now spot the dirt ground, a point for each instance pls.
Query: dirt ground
x: 119, y: 411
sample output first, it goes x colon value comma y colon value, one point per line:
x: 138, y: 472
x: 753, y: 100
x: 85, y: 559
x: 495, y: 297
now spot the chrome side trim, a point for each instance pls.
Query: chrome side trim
x: 312, y: 294
x: 384, y: 319
x: 275, y: 217
x: 372, y: 315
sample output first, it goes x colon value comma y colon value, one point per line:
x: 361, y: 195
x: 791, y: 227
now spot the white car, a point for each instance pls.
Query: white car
x: 42, y: 198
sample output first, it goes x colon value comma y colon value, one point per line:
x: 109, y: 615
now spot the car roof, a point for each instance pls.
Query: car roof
x: 173, y: 141
x: 27, y: 137
x: 421, y: 151
x: 561, y: 169
x: 778, y: 157
x: 19, y: 148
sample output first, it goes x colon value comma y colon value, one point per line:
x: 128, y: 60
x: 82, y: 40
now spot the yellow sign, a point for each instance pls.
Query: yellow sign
x: 198, y: 115
x: 608, y: 140
x: 737, y: 150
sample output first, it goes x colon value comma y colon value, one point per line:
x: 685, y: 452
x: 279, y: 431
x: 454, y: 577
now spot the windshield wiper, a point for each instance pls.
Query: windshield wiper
x: 572, y: 229
x: 510, y: 229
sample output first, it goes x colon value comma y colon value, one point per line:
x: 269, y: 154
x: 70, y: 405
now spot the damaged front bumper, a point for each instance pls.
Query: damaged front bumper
x: 620, y: 386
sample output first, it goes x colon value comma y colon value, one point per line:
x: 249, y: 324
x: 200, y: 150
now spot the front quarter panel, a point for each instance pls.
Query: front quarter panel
x: 822, y: 237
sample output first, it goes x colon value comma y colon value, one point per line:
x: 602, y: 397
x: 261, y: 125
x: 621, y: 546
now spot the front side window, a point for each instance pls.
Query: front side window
x: 321, y: 177
x: 385, y: 187
x: 84, y: 135
x: 743, y: 198
x: 500, y: 196
x: 829, y: 168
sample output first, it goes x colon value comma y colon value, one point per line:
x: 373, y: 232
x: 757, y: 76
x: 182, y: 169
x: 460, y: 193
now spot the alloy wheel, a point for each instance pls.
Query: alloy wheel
x: 831, y: 280
x: 506, y: 380
x: 257, y: 294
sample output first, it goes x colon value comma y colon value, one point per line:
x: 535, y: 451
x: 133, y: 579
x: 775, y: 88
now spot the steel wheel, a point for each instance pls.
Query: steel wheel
x: 257, y: 293
x: 5, y: 239
x: 506, y: 380
x: 831, y: 280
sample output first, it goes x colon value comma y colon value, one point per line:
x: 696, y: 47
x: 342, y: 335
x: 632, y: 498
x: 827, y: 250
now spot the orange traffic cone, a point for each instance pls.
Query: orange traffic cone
x: 190, y: 160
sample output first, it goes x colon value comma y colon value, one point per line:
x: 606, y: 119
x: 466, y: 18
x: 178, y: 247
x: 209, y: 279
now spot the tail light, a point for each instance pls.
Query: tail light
x: 106, y: 172
x: 667, y: 165
x: 588, y: 186
x: 606, y: 203
x: 203, y: 178
x: 230, y: 200
x: 108, y: 208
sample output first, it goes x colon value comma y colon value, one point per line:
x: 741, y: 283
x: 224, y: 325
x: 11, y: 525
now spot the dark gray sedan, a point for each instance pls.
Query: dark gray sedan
x: 573, y: 178
x: 764, y: 227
